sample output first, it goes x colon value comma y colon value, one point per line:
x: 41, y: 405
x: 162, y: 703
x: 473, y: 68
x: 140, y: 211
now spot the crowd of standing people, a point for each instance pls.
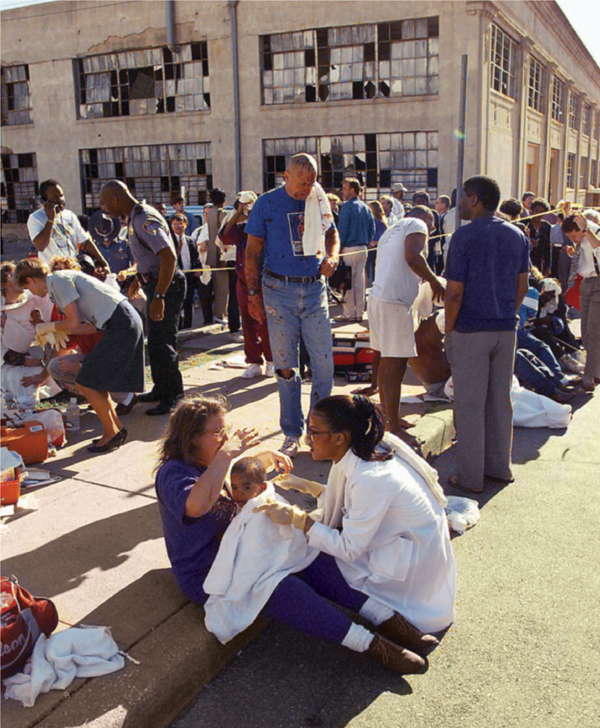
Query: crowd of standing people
x: 471, y: 286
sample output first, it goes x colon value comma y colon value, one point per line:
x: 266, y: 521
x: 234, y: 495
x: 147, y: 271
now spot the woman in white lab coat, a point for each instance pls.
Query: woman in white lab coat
x: 381, y: 515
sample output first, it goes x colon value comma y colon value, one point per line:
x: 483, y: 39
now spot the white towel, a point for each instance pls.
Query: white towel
x: 318, y: 218
x: 254, y: 556
x: 56, y: 661
x: 203, y: 236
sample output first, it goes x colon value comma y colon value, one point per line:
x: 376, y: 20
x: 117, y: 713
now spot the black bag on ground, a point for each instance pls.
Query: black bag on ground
x: 341, y: 279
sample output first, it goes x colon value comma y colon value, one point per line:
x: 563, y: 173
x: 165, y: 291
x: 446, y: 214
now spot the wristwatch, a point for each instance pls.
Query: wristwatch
x: 160, y: 296
x: 252, y: 292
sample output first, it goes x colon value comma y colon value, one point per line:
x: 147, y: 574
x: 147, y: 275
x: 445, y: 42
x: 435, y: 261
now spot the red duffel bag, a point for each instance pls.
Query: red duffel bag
x: 23, y: 618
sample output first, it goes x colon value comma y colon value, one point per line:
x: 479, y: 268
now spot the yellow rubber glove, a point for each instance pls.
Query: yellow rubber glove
x: 58, y: 340
x: 283, y: 514
x: 288, y: 481
x: 46, y: 328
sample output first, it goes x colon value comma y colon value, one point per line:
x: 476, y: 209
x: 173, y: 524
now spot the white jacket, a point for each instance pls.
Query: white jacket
x: 394, y: 544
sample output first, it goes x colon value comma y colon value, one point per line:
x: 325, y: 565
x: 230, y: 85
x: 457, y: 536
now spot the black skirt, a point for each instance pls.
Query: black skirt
x: 116, y: 363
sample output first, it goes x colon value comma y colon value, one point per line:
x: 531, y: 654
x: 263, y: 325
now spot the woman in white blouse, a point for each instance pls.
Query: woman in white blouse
x: 381, y: 515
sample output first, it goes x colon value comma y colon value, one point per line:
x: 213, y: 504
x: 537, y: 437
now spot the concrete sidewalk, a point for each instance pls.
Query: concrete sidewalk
x: 94, y: 545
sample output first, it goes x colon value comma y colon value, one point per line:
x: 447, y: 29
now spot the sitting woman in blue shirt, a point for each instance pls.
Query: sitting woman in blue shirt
x: 196, y: 509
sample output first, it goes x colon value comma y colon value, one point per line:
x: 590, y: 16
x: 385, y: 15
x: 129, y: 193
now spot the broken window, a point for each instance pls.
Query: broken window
x: 138, y: 83
x: 587, y: 120
x: 400, y: 58
x: 502, y: 62
x: 573, y: 111
x: 16, y: 96
x: 557, y: 99
x: 19, y: 187
x: 151, y: 171
x: 377, y: 160
x: 535, y: 87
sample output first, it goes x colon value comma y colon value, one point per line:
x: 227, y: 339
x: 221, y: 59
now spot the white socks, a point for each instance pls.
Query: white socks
x: 375, y: 611
x: 357, y: 638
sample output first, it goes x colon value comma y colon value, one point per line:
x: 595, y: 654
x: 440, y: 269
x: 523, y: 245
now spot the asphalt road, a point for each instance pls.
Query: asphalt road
x: 524, y: 650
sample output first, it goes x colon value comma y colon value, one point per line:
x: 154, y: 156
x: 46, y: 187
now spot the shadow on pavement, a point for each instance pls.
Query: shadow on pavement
x: 61, y: 565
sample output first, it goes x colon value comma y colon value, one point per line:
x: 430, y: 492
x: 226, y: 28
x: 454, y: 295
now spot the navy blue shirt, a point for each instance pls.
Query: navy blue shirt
x: 278, y: 220
x: 192, y: 543
x: 356, y: 225
x: 118, y: 255
x: 487, y: 256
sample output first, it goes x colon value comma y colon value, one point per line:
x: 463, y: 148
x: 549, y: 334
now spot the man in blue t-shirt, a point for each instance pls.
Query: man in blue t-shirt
x: 293, y: 296
x: 487, y: 274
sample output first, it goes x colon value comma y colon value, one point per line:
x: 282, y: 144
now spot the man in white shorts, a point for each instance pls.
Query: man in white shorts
x: 401, y: 265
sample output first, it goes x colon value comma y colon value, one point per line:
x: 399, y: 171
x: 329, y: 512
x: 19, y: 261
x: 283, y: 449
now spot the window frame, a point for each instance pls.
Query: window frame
x: 502, y: 79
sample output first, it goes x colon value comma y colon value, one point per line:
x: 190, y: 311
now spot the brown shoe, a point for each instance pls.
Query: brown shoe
x: 400, y: 630
x: 395, y: 658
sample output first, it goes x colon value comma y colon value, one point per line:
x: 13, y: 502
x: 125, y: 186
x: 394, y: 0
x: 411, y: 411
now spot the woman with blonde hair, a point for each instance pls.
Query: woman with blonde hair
x: 116, y: 363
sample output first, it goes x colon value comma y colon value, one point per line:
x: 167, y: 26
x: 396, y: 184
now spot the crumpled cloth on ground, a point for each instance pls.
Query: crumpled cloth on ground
x: 529, y: 408
x: 462, y: 513
x: 254, y: 556
x: 56, y: 661
x: 318, y: 218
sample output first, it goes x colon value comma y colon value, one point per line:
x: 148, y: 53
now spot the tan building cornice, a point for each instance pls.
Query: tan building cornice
x: 483, y: 7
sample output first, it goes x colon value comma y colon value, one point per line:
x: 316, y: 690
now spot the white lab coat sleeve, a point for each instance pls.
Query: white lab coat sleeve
x: 366, y: 509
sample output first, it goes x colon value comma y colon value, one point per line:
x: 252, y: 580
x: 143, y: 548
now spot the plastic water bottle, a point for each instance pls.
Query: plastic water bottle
x: 73, y: 415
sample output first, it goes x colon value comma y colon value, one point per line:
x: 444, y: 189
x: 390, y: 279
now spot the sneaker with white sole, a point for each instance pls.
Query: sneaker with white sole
x: 254, y: 370
x: 270, y: 369
x: 236, y: 336
x: 290, y: 447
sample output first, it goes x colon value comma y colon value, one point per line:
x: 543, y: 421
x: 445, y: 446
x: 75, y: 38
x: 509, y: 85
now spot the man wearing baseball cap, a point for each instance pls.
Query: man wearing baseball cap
x: 398, y: 191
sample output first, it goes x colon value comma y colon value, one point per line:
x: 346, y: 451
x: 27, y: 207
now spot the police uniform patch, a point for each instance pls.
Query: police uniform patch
x: 152, y: 227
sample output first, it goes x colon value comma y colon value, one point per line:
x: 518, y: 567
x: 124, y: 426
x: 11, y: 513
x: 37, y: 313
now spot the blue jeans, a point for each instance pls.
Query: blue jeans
x: 533, y: 374
x: 298, y: 311
x: 526, y: 340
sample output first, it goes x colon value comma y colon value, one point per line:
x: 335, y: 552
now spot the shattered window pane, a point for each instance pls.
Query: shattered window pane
x: 151, y: 171
x: 19, y: 187
x: 377, y: 160
x: 352, y: 62
x: 150, y: 81
x: 16, y: 96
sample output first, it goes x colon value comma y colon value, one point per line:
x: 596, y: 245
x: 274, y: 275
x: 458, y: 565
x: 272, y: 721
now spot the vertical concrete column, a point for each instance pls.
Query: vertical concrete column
x: 522, y: 84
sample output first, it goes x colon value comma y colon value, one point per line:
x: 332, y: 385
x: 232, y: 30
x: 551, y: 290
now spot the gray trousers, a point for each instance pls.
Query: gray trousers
x: 590, y: 327
x: 482, y: 367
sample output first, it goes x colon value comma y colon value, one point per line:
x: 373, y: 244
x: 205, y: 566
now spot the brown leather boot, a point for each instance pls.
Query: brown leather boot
x: 400, y: 630
x: 393, y: 657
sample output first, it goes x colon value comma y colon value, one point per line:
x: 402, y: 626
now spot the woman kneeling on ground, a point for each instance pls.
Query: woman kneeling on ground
x: 196, y: 509
x: 116, y: 363
x: 381, y: 515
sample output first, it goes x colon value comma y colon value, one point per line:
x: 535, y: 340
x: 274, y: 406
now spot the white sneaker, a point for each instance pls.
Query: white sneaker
x: 270, y: 369
x: 236, y: 336
x: 290, y: 447
x: 254, y: 370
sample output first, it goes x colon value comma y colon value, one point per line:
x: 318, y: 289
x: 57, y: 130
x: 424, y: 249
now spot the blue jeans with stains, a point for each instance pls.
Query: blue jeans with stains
x: 295, y: 312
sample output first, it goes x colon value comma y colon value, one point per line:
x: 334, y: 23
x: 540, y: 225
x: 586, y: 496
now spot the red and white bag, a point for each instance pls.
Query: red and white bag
x: 23, y: 618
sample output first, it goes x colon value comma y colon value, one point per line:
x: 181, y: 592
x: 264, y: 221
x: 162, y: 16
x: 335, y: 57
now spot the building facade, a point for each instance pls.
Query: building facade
x: 189, y: 96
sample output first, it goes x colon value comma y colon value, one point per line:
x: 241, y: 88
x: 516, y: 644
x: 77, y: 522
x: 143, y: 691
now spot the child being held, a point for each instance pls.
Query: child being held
x: 248, y: 479
x: 254, y: 556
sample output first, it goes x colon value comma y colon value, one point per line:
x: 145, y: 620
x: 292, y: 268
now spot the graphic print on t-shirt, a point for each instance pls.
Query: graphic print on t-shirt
x: 296, y: 224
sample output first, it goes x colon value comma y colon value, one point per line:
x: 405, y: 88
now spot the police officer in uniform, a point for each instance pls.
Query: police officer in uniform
x: 163, y: 284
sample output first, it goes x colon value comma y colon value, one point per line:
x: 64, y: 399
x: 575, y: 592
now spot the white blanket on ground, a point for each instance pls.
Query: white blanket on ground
x: 254, y: 556
x: 56, y: 661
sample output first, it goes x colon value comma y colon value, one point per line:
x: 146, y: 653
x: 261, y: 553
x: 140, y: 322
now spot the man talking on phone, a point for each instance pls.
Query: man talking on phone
x: 54, y: 230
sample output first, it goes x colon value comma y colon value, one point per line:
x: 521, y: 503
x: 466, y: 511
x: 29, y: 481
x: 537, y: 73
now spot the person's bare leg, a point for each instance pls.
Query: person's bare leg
x: 372, y: 388
x: 102, y: 406
x: 391, y: 374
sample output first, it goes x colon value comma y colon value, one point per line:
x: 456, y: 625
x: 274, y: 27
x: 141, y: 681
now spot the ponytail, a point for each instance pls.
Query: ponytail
x: 358, y: 416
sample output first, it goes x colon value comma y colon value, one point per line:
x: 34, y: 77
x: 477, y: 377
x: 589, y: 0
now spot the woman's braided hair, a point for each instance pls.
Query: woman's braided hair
x: 357, y: 415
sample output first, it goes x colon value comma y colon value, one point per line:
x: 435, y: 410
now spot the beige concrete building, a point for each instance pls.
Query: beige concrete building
x: 148, y: 92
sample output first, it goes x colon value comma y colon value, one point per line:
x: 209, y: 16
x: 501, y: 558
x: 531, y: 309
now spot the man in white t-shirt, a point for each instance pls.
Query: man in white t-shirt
x: 401, y: 265
x: 54, y: 230
x: 586, y: 235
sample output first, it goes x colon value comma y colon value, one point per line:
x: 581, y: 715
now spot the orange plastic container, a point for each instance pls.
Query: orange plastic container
x: 10, y: 491
x: 29, y: 439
